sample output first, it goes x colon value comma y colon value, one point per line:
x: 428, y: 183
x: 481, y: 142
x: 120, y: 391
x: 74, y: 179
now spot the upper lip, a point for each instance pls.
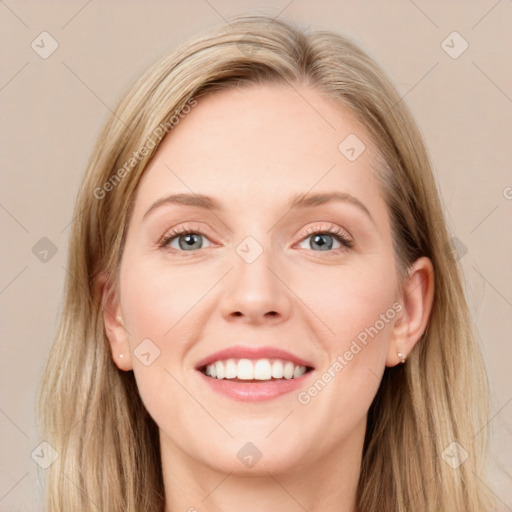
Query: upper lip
x: 245, y: 351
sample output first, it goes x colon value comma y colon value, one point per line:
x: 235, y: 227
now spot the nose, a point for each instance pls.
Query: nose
x: 256, y: 292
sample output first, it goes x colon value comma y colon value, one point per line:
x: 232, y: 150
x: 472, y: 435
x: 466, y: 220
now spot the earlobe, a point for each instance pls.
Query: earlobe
x: 417, y: 298
x: 115, y: 329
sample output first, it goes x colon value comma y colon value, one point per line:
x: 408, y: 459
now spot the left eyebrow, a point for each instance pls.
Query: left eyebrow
x: 302, y: 201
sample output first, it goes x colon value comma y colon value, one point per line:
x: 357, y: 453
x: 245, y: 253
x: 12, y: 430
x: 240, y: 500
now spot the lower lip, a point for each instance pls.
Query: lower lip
x: 254, y: 391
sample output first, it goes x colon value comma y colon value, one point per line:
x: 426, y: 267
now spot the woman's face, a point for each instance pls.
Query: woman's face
x: 317, y: 281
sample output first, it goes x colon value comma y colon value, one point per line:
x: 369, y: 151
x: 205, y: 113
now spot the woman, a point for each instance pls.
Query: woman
x: 262, y: 310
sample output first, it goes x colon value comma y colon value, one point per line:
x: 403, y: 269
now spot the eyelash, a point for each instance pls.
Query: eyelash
x: 333, y: 230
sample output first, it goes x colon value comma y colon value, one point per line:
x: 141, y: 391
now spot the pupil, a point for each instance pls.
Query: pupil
x: 321, y: 243
x: 190, y: 239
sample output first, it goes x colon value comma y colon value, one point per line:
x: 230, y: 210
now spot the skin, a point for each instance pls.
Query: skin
x: 252, y: 149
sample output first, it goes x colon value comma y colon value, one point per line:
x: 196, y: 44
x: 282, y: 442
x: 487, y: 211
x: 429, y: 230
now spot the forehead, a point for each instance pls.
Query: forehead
x: 262, y: 144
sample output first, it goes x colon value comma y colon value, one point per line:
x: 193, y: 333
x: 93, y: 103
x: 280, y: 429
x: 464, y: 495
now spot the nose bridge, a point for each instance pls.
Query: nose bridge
x: 254, y: 290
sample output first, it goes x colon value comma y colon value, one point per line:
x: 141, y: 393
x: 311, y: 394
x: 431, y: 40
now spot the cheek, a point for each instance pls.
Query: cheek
x: 156, y: 298
x: 350, y: 300
x: 358, y: 309
x: 155, y: 302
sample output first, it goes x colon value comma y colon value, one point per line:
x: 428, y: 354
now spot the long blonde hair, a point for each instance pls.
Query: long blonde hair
x: 91, y: 412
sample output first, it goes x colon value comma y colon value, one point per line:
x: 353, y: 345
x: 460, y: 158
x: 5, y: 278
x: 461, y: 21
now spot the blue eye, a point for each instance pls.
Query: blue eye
x: 323, y: 240
x: 187, y: 240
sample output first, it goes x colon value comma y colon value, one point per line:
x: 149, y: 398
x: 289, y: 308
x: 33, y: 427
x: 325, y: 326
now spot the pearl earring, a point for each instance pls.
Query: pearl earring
x: 121, y: 356
x: 401, y: 356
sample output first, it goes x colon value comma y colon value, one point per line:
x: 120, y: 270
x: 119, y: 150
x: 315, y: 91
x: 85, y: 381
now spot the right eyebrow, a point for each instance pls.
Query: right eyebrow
x: 198, y: 200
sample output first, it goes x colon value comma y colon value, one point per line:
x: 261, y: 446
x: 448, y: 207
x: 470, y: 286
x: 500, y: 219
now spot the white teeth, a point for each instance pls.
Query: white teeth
x: 219, y: 368
x: 288, y: 370
x: 248, y: 369
x: 245, y: 369
x: 277, y: 369
x: 297, y: 372
x: 231, y: 369
x: 262, y: 370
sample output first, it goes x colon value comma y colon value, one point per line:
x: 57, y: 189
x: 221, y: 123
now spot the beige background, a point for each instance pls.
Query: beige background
x: 53, y: 109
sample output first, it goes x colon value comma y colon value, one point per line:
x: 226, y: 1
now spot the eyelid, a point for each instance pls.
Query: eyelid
x: 329, y: 228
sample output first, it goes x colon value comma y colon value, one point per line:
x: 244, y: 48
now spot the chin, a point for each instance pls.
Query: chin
x: 255, y: 457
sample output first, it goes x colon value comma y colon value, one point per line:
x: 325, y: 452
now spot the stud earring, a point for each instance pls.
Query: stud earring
x: 401, y: 356
x: 121, y: 356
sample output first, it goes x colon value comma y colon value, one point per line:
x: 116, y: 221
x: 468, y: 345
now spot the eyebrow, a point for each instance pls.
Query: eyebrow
x: 299, y: 201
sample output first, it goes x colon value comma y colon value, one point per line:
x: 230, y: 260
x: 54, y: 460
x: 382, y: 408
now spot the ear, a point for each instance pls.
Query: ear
x: 417, y: 295
x: 114, y: 323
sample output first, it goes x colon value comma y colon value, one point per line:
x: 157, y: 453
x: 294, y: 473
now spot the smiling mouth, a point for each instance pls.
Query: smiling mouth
x: 252, y: 381
x: 254, y: 370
